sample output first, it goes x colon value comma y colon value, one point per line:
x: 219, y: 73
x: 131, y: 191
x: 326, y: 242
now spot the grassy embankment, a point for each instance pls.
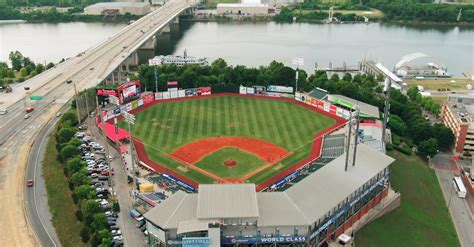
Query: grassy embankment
x: 422, y: 219
x: 68, y: 228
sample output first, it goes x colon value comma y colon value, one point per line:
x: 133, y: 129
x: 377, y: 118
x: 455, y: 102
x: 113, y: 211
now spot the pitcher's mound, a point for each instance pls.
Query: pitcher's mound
x: 230, y: 163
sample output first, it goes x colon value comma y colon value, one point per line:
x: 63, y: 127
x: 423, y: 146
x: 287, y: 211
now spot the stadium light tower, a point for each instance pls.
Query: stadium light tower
x: 298, y: 62
x: 388, y: 86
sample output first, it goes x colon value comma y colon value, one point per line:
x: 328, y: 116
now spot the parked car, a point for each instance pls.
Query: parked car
x: 140, y: 224
x: 83, y: 127
x: 114, y: 227
x: 103, y: 178
x: 116, y: 232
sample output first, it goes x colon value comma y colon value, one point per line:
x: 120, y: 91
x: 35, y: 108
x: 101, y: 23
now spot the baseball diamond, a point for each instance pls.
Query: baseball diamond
x: 193, y: 137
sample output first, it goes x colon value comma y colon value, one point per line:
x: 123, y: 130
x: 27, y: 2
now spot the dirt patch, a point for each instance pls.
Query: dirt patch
x: 195, y: 151
x: 183, y: 168
x: 230, y: 163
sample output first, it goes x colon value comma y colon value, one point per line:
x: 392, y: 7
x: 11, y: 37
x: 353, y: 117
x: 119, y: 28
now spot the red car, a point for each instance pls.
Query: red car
x: 29, y: 109
x: 29, y: 183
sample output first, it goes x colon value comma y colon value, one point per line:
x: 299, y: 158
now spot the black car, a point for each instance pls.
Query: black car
x: 111, y: 218
x: 103, y: 177
x: 111, y: 223
x: 117, y: 243
x: 114, y: 227
x: 140, y: 224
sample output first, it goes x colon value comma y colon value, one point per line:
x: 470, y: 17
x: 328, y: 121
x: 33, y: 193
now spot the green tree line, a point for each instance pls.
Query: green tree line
x: 95, y: 231
x: 53, y: 15
x: 406, y: 119
x: 421, y: 10
x: 22, y: 68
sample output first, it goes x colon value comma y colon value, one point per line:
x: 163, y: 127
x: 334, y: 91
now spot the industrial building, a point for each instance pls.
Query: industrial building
x: 118, y: 8
x: 249, y: 7
x: 320, y: 207
x: 457, y: 114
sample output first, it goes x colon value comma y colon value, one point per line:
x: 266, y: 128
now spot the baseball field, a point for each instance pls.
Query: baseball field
x: 228, y: 139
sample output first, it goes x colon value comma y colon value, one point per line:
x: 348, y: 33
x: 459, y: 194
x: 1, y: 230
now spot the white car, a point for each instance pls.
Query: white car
x: 94, y: 175
x: 27, y: 116
x: 117, y: 238
x: 116, y: 232
x: 3, y: 111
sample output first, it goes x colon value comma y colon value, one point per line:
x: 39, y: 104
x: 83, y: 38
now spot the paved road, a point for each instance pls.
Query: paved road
x: 36, y: 197
x: 18, y: 134
x: 458, y: 208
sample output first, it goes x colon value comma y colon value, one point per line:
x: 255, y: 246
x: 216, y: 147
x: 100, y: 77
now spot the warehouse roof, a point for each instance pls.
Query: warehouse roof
x: 227, y: 201
x: 365, y: 109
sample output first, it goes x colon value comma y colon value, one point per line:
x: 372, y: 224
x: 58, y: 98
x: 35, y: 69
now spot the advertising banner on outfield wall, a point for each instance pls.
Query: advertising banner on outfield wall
x: 134, y: 104
x: 166, y: 95
x: 123, y: 108
x: 173, y: 94
x: 147, y: 99
x: 190, y: 92
x: 327, y: 106
x: 279, y: 89
x: 260, y: 90
x: 250, y: 90
x: 242, y: 90
x: 181, y: 93
x: 129, y: 107
x: 158, y: 96
x: 140, y: 102
x: 204, y: 91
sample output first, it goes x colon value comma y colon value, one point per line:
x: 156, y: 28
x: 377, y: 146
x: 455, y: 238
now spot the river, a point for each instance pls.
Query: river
x: 255, y: 44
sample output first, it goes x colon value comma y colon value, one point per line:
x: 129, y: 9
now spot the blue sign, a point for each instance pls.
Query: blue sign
x: 185, y: 185
x: 196, y: 242
x: 254, y: 240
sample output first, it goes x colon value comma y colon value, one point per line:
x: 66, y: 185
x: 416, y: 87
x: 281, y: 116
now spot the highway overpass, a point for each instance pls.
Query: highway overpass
x: 21, y: 224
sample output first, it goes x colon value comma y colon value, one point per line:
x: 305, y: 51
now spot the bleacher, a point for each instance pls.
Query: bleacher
x: 333, y: 146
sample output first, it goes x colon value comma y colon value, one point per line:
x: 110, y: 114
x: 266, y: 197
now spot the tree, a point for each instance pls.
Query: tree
x: 444, y: 136
x: 85, y: 191
x: 16, y: 58
x: 85, y: 234
x: 49, y: 65
x: 80, y: 178
x: 89, y: 208
x: 428, y: 147
x: 105, y: 238
x: 99, y: 222
x: 74, y: 165
x: 65, y: 135
x: 397, y: 125
x: 413, y: 93
x: 68, y: 151
x: 69, y: 116
x: 24, y: 72
x: 39, y: 68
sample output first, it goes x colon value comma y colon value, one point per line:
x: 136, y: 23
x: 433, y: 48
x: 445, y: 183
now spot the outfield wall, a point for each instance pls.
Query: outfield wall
x: 142, y: 104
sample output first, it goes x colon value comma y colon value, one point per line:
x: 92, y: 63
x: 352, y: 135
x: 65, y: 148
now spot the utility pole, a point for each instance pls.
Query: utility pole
x: 388, y: 83
x: 298, y: 62
x: 77, y: 104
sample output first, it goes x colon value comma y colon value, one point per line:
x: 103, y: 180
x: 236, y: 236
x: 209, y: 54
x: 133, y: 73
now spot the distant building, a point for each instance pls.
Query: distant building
x: 457, y: 114
x: 118, y: 8
x: 249, y: 7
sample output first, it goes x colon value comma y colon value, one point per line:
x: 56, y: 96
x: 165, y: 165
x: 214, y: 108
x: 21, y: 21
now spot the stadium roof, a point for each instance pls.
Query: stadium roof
x: 321, y: 191
x: 302, y: 204
x: 216, y: 201
x: 318, y: 93
x: 365, y: 109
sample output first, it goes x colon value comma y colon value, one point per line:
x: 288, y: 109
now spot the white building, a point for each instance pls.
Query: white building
x: 249, y: 7
x: 118, y: 8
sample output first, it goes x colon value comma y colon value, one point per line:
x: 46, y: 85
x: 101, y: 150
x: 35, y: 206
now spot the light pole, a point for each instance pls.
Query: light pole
x: 298, y: 62
x: 77, y: 100
x: 130, y: 119
x: 114, y: 100
x: 387, y: 109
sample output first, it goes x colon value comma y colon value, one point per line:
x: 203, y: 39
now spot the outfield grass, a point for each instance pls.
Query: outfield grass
x: 165, y: 127
x: 422, y: 219
x: 62, y: 208
x: 214, y: 162
x: 436, y: 83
